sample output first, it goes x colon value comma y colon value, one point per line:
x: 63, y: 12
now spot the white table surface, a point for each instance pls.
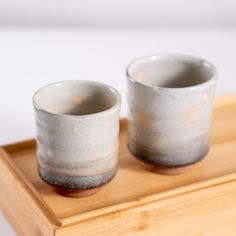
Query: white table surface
x: 32, y: 58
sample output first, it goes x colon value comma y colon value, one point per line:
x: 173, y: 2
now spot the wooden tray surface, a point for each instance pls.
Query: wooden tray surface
x: 133, y: 186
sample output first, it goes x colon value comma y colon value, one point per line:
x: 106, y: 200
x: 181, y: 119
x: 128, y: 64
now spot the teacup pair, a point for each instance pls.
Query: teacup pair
x: 170, y: 100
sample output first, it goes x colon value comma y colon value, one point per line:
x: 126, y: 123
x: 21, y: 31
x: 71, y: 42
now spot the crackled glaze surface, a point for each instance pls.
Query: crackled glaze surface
x: 170, y: 100
x: 77, y: 133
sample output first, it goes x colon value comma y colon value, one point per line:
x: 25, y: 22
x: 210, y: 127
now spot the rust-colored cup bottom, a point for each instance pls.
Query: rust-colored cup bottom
x: 166, y: 170
x: 77, y: 193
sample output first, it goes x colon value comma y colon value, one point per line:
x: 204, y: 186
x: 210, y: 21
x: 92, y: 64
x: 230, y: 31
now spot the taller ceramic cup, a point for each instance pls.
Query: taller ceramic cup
x: 170, y: 100
x: 77, y: 135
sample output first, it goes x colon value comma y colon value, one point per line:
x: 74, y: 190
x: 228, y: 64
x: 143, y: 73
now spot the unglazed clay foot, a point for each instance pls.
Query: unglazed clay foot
x: 166, y: 170
x: 77, y: 193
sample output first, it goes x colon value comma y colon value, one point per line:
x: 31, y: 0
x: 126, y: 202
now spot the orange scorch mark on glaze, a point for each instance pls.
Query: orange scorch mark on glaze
x: 142, y: 121
x: 140, y: 77
x: 77, y: 100
x: 191, y: 112
x: 204, y: 97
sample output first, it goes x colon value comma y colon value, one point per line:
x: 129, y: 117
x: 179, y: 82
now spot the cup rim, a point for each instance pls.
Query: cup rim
x: 156, y: 56
x: 91, y: 82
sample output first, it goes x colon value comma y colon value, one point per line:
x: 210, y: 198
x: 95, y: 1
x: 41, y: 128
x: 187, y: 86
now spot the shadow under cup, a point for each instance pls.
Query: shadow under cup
x: 170, y: 100
x: 77, y: 135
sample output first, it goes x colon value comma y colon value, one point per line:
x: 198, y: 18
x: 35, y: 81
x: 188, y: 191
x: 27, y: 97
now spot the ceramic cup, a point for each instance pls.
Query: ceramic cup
x: 77, y: 135
x: 170, y: 99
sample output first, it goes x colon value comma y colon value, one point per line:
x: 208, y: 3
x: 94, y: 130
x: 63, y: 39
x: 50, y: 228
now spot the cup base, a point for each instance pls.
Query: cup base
x: 167, y: 170
x: 78, y: 193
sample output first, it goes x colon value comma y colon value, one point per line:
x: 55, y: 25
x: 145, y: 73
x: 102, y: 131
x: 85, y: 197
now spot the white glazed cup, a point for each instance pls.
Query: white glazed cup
x: 170, y: 99
x: 77, y: 135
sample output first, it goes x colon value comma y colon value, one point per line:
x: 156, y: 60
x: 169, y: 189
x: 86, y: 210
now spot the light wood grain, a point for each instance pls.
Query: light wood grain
x: 119, y: 205
x: 210, y: 212
x: 19, y: 205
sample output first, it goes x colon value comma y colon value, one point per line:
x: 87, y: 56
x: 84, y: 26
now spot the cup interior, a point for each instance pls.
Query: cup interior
x: 75, y: 98
x: 171, y: 71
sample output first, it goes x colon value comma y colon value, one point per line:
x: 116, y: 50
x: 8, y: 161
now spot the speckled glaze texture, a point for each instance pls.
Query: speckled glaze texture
x: 170, y: 99
x: 77, y: 134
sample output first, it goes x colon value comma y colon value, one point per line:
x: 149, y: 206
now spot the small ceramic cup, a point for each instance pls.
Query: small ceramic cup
x: 77, y: 135
x: 170, y: 99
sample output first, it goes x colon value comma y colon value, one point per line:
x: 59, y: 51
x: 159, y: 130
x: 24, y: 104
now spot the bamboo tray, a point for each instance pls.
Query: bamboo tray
x: 136, y: 202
